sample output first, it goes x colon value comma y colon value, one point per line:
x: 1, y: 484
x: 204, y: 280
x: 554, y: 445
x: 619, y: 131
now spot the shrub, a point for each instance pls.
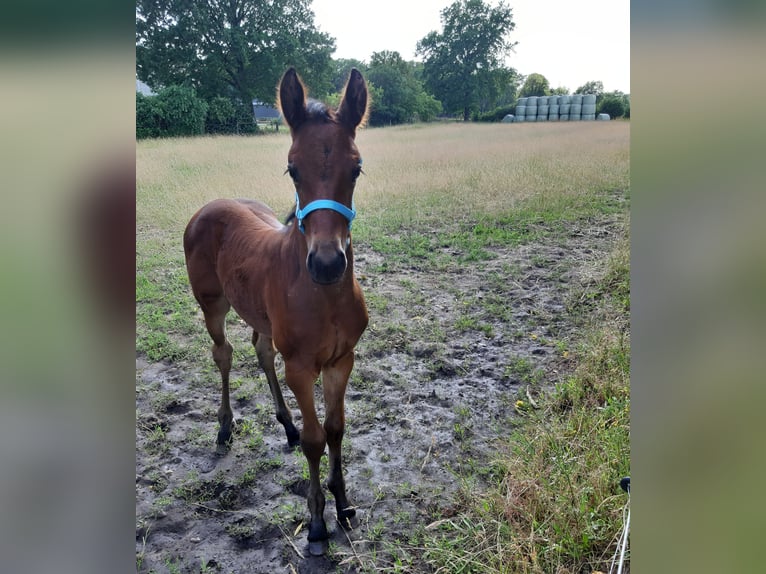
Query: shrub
x: 612, y: 105
x: 221, y: 116
x: 148, y: 116
x: 183, y: 113
x: 496, y: 115
x: 428, y: 107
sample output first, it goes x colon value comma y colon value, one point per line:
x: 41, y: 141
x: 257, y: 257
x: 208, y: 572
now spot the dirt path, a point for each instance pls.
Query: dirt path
x: 438, y: 373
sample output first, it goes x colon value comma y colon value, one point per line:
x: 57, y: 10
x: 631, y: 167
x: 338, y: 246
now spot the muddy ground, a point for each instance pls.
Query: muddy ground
x: 445, y: 358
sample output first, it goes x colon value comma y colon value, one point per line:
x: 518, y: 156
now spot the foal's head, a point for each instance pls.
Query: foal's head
x: 324, y: 164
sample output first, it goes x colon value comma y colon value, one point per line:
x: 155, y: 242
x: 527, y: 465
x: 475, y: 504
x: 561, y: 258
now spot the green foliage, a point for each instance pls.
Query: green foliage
x: 237, y: 49
x: 340, y: 70
x: 174, y: 111
x: 593, y: 87
x: 427, y: 107
x: 535, y: 85
x: 612, y: 104
x: 148, y: 116
x: 183, y: 113
x: 496, y: 115
x: 401, y: 97
x: 221, y: 116
x: 463, y: 64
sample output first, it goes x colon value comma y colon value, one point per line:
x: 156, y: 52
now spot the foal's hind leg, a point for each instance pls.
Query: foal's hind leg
x: 215, y: 320
x: 264, y: 348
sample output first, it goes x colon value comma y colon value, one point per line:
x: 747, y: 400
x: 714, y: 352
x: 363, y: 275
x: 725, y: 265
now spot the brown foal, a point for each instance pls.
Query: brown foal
x: 293, y: 284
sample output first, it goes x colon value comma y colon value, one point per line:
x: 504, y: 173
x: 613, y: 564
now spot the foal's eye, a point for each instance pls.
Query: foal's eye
x: 291, y: 169
x: 356, y: 172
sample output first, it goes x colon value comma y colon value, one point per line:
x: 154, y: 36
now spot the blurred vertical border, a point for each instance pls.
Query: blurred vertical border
x: 698, y: 261
x: 67, y: 284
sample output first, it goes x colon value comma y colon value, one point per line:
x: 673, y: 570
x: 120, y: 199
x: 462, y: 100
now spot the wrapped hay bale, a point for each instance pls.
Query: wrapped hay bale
x: 589, y: 99
x: 521, y: 110
x: 542, y: 111
x: 603, y: 117
x: 553, y: 112
x: 588, y: 117
x: 563, y: 117
x: 588, y: 109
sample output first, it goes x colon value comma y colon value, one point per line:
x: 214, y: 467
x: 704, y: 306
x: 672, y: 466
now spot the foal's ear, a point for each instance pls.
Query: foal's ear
x: 292, y: 99
x: 353, y: 108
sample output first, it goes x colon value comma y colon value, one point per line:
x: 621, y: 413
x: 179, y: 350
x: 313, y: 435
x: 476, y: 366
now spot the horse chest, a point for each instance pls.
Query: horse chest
x: 325, y: 329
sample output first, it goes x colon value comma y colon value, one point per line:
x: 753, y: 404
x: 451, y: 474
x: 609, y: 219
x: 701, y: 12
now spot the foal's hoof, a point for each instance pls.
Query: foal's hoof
x: 222, y: 449
x: 347, y: 519
x: 293, y: 438
x: 223, y: 443
x: 318, y: 547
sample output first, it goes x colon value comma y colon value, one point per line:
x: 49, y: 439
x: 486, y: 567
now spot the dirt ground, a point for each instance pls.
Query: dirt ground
x: 437, y: 376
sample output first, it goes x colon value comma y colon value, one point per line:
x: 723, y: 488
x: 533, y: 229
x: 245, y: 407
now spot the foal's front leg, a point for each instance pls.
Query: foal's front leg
x: 313, y: 440
x: 334, y: 382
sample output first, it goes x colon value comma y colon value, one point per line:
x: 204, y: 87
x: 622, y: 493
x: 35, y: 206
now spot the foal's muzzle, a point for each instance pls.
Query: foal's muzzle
x: 326, y: 264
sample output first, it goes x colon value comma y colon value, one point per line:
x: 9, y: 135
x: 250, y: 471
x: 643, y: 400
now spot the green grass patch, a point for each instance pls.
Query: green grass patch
x: 439, y: 241
x: 555, y: 505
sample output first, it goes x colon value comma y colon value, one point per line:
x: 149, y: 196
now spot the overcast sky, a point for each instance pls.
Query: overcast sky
x: 568, y: 42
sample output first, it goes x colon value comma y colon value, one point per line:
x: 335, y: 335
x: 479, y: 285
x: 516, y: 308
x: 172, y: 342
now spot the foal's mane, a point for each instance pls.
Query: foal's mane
x: 316, y: 110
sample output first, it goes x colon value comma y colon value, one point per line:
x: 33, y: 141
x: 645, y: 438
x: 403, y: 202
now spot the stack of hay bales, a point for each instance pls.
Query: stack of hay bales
x: 569, y: 108
x: 531, y: 115
x: 521, y: 109
x: 553, y: 108
x: 575, y: 110
x: 589, y: 107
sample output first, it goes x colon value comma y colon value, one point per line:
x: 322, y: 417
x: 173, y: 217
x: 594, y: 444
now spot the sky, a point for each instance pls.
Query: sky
x: 569, y: 42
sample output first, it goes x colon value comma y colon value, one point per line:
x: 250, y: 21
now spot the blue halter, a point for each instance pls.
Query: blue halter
x: 300, y: 214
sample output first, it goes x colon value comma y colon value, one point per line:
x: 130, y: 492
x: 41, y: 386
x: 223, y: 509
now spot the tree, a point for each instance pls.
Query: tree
x: 340, y: 70
x: 148, y: 116
x: 221, y: 116
x: 402, y: 97
x: 591, y: 88
x: 613, y: 103
x: 463, y: 64
x: 232, y: 48
x: 183, y: 113
x: 174, y: 111
x: 560, y: 91
x: 535, y: 85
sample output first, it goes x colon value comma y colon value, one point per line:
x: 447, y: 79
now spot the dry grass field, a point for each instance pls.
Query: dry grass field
x: 450, y: 170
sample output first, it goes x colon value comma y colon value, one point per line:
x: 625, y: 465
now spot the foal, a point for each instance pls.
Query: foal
x: 293, y: 284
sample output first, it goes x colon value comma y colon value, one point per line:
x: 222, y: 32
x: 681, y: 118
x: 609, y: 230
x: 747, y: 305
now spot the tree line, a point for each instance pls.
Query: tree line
x: 209, y: 59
